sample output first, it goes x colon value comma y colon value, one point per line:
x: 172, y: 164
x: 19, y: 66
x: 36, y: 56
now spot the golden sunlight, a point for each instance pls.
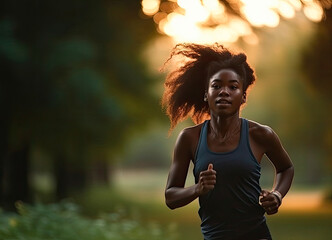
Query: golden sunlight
x: 286, y: 10
x: 260, y: 13
x: 150, y: 7
x: 209, y: 21
x: 313, y: 11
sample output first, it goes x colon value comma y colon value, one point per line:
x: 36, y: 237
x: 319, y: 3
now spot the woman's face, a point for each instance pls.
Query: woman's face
x: 225, y: 93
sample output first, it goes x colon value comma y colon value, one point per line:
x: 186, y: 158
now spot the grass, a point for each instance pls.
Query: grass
x: 141, y: 194
x: 185, y: 223
x: 63, y: 221
x: 134, y: 209
x: 304, y: 226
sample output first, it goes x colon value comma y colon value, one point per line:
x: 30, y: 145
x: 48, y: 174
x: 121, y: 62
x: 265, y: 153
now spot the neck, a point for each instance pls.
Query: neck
x: 224, y: 126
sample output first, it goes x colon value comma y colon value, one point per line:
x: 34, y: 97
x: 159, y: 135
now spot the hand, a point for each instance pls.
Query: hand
x: 269, y: 202
x: 207, y: 180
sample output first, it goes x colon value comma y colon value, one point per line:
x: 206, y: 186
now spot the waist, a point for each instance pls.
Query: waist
x: 227, y: 229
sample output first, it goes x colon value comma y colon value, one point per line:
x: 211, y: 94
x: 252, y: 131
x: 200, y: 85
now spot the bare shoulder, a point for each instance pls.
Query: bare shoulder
x: 188, y: 138
x: 261, y: 134
x: 190, y: 135
x: 191, y: 132
x: 268, y: 142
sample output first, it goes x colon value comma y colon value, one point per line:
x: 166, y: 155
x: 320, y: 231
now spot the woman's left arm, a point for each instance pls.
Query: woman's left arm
x: 271, y: 200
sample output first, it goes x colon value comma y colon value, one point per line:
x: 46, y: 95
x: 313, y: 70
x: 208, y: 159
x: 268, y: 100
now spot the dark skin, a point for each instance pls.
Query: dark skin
x: 225, y: 95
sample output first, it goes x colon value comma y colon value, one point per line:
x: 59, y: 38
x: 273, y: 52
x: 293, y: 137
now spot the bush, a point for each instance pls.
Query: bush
x: 63, y: 221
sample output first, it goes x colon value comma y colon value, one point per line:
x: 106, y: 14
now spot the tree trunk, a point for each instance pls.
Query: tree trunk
x: 16, y: 177
x: 100, y: 172
x: 70, y: 177
x: 60, y: 177
x: 3, y: 155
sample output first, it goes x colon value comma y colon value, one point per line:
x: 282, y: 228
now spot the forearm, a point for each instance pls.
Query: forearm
x: 178, y: 197
x: 283, y: 180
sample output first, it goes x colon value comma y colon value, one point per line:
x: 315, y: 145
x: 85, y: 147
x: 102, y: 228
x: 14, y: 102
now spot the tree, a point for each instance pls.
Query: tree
x: 317, y: 71
x: 73, y: 84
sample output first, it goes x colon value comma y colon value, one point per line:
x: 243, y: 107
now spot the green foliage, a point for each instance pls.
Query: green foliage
x: 316, y: 63
x: 316, y: 59
x: 10, y: 47
x: 73, y: 72
x: 74, y: 84
x: 63, y: 221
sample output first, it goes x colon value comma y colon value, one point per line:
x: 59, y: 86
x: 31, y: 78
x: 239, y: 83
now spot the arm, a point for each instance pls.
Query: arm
x: 284, y: 172
x: 176, y: 194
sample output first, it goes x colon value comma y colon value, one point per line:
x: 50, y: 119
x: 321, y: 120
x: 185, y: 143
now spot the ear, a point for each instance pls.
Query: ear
x: 205, y: 97
x: 244, y: 98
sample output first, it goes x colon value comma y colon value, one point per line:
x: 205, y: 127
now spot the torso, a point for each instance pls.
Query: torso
x: 234, y: 201
x: 257, y: 133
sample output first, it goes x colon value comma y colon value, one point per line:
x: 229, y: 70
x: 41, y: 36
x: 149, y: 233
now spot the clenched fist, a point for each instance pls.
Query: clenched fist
x: 207, y: 180
x: 269, y: 202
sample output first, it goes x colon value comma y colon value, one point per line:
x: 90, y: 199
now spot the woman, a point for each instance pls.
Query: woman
x: 210, y: 86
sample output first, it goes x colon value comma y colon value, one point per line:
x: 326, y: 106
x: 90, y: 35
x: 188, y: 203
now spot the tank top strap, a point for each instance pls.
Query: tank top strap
x: 242, y: 145
x: 244, y: 134
x: 202, y: 139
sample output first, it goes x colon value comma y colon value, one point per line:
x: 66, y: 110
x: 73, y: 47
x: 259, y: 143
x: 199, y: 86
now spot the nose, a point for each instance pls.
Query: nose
x: 223, y: 92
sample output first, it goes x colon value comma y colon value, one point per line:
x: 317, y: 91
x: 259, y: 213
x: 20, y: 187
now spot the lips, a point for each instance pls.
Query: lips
x: 222, y: 101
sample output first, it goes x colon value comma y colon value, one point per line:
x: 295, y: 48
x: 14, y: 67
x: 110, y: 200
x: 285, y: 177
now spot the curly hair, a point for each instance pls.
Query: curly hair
x: 186, y: 85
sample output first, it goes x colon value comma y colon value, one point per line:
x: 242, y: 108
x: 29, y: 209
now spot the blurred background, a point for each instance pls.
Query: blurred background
x: 84, y: 147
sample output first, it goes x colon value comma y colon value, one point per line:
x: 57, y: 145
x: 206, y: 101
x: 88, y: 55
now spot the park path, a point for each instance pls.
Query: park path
x: 148, y: 185
x: 306, y: 201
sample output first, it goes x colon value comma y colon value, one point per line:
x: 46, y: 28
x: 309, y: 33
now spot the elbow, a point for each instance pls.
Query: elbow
x: 169, y: 203
x: 292, y: 171
x: 289, y: 169
x: 287, y: 173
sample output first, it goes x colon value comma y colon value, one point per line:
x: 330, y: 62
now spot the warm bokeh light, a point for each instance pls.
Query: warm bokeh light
x: 296, y: 4
x: 286, y: 10
x: 259, y: 14
x: 313, y: 11
x: 208, y: 21
x: 150, y: 7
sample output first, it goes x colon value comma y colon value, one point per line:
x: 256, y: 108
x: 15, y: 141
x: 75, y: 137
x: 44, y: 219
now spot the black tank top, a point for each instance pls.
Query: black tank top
x: 232, y: 208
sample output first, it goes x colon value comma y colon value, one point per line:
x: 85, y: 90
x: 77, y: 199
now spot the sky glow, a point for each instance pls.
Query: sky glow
x: 207, y: 21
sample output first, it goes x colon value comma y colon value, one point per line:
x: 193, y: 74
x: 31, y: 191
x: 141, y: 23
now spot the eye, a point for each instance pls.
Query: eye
x: 234, y: 87
x: 215, y: 86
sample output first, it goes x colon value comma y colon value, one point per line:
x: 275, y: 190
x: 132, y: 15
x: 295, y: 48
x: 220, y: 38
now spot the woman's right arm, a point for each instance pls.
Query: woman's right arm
x: 176, y: 194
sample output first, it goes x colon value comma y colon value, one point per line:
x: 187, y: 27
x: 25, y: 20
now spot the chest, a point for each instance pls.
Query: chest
x: 239, y: 163
x: 223, y: 145
x: 228, y: 145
